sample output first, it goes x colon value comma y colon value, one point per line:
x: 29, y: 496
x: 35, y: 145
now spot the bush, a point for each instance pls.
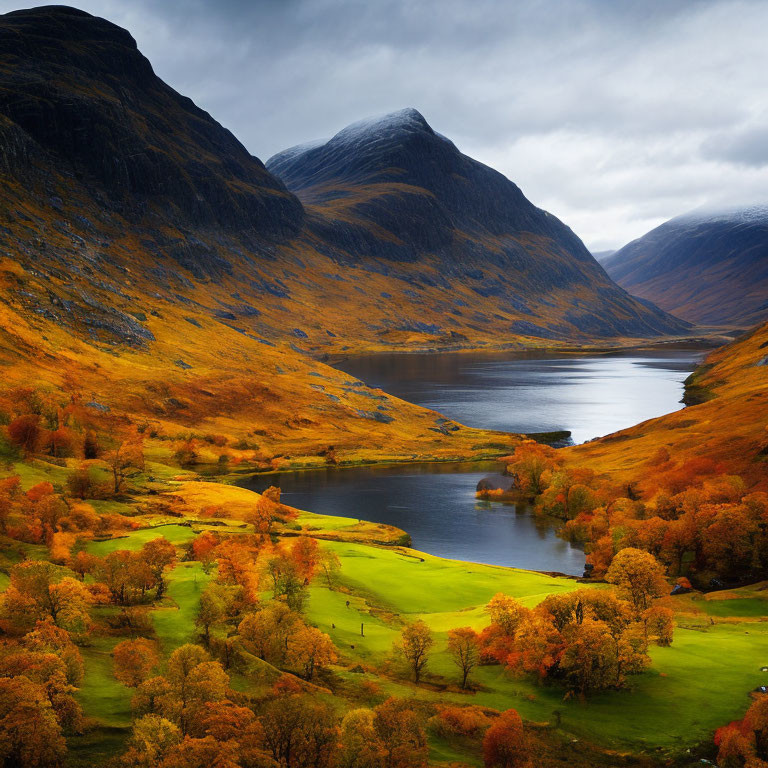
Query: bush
x: 24, y: 432
x: 186, y: 454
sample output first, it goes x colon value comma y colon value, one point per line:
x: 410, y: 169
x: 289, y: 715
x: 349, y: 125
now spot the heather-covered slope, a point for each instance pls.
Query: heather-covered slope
x: 108, y: 172
x: 149, y: 263
x: 708, y: 267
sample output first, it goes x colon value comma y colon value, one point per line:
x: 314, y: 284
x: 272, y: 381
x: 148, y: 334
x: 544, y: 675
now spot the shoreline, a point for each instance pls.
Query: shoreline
x: 515, y: 348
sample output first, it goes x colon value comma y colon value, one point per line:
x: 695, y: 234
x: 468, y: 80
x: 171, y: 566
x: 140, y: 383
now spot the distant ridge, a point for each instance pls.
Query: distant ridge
x: 707, y: 266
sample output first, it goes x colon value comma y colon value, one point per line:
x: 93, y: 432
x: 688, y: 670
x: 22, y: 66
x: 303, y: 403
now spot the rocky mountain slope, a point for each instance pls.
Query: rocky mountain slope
x: 709, y: 267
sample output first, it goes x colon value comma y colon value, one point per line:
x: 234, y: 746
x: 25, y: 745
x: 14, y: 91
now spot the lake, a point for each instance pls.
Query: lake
x: 590, y: 395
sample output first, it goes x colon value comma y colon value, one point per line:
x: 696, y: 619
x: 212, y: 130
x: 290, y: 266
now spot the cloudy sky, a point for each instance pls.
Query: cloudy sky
x: 613, y: 114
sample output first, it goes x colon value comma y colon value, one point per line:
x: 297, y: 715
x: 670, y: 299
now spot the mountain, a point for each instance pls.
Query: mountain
x: 151, y: 265
x: 392, y: 237
x: 709, y: 267
x: 393, y: 191
x: 601, y: 256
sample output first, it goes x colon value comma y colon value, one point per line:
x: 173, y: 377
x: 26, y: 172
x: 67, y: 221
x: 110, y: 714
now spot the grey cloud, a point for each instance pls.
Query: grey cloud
x: 747, y: 147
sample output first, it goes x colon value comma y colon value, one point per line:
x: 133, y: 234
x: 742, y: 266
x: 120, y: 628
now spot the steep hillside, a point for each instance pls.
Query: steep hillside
x: 150, y: 264
x: 708, y: 267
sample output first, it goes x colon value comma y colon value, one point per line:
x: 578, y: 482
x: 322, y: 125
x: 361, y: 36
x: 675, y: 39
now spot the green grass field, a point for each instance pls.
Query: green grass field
x: 176, y: 534
x: 701, y: 682
x: 174, y: 619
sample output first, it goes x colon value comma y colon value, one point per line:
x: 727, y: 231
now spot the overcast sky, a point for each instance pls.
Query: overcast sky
x: 613, y: 115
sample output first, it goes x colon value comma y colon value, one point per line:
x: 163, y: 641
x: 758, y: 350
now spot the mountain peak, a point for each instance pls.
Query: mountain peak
x: 709, y: 265
x: 403, y: 120
x: 61, y: 22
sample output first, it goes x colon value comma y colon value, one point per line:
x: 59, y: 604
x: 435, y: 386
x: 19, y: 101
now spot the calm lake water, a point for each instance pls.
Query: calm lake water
x: 435, y: 503
x: 591, y: 396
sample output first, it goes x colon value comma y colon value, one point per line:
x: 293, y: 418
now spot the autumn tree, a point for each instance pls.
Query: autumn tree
x: 537, y: 646
x: 152, y: 739
x: 504, y: 743
x: 216, y: 605
x: 464, y: 650
x: 124, y: 455
x: 237, y: 565
x: 134, y: 660
x: 305, y: 555
x: 300, y: 732
x: 159, y: 554
x: 506, y: 612
x: 266, y: 633
x: 415, y: 642
x: 40, y: 590
x: 330, y: 565
x: 83, y: 562
x: 287, y: 581
x: 204, y: 550
x: 756, y: 723
x: 659, y: 624
x: 402, y: 739
x: 528, y: 465
x: 309, y: 649
x: 638, y: 575
x: 588, y: 661
x: 30, y: 735
x: 194, y: 680
x: 506, y: 615
x: 46, y: 637
x: 360, y: 743
x: 126, y: 575
x: 24, y: 431
x: 150, y: 696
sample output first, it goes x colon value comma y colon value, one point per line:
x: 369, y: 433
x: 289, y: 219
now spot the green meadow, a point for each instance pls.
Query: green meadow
x: 699, y: 683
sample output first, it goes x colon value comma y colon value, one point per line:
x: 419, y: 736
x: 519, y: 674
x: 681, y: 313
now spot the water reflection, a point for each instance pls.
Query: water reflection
x: 436, y: 504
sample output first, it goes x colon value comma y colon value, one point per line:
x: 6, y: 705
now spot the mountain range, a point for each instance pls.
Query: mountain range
x: 121, y: 165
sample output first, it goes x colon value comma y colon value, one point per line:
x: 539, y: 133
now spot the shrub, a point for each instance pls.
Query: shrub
x: 460, y: 721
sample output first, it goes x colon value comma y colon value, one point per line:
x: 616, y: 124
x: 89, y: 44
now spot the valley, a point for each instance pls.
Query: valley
x: 244, y: 411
